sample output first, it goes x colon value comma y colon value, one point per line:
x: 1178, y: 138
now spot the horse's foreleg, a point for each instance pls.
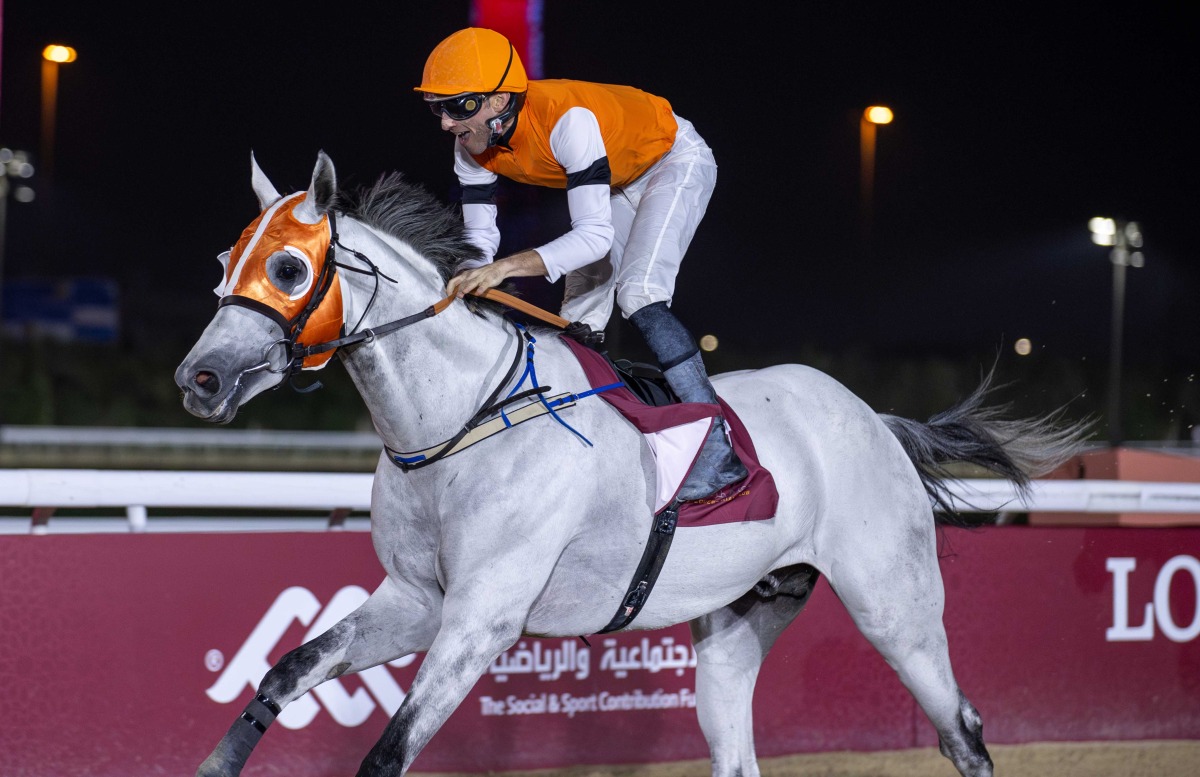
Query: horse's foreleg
x: 470, y: 639
x: 731, y: 644
x: 392, y: 623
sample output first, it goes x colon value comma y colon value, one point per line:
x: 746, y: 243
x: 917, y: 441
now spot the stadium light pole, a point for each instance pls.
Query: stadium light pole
x: 1122, y: 237
x: 871, y: 117
x: 14, y: 164
x: 52, y: 56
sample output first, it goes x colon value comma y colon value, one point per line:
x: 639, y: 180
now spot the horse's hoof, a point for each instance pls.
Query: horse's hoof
x: 767, y: 587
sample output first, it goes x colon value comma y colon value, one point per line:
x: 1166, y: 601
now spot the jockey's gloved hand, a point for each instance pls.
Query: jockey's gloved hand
x: 584, y: 334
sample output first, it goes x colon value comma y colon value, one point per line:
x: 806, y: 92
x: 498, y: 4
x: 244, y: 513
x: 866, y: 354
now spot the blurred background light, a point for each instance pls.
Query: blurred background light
x: 708, y: 343
x: 878, y: 114
x: 1104, y: 231
x: 1133, y: 234
x: 1023, y: 346
x: 56, y: 53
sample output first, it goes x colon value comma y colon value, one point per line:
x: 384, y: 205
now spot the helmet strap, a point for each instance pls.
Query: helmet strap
x: 496, y: 124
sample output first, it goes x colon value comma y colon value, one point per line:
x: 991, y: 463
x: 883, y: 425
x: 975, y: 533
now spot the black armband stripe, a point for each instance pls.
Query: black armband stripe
x: 596, y: 172
x: 479, y: 194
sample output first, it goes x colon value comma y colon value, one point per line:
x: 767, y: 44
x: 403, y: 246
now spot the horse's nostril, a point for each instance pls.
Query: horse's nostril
x: 207, y: 382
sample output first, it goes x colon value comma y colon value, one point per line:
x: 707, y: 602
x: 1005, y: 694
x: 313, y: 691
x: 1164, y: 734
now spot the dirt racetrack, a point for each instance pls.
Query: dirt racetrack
x: 1056, y: 759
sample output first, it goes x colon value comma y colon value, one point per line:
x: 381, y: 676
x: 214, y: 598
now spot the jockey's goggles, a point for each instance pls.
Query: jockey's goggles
x: 464, y: 106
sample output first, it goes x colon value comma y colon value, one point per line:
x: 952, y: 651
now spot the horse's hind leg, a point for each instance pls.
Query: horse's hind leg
x: 390, y: 624
x: 731, y: 644
x: 893, y: 591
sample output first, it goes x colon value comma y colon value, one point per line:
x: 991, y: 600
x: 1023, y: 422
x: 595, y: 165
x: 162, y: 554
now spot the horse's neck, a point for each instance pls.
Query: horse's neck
x: 422, y: 382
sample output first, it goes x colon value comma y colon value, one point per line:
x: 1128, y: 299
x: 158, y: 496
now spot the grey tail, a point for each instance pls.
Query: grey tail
x: 970, y: 433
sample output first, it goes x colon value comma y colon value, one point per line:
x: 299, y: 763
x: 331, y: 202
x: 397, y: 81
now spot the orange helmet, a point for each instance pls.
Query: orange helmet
x: 473, y: 60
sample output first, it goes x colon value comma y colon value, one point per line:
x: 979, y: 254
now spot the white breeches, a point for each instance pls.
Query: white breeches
x: 654, y: 218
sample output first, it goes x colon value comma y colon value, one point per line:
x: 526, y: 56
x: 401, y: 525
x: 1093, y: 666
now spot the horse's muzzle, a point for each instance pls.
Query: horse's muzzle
x: 206, y: 396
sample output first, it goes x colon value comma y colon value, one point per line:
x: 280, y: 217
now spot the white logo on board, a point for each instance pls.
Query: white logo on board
x: 1153, y: 612
x: 250, y: 663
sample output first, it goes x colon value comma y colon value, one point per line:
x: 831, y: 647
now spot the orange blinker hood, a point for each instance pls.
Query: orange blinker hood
x: 246, y: 275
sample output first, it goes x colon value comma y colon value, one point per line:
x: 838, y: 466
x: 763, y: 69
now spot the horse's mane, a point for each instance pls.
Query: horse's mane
x: 435, y: 230
x: 409, y: 212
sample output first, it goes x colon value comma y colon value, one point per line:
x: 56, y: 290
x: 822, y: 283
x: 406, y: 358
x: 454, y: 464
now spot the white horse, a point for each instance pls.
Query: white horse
x: 532, y: 532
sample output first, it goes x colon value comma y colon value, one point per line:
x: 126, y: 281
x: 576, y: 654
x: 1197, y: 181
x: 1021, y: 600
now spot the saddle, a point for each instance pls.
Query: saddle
x: 675, y: 431
x: 645, y: 381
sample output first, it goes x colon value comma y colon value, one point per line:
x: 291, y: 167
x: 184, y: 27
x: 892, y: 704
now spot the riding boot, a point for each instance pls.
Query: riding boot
x: 718, y: 465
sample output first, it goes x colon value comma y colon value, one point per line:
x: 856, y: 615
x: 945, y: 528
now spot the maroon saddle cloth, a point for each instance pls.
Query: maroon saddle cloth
x: 753, y: 499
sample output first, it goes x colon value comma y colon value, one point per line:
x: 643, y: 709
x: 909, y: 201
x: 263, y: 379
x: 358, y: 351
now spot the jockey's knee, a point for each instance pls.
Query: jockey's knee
x: 633, y: 297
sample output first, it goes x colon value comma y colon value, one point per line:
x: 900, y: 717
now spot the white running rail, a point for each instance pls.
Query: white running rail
x: 1077, y: 496
x: 331, y: 500
x: 43, y: 491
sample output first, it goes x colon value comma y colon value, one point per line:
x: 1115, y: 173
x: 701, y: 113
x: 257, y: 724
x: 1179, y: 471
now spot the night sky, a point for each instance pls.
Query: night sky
x: 1014, y: 125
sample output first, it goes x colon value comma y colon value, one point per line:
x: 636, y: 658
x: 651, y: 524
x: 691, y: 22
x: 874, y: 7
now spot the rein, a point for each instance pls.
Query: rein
x: 508, y: 300
x: 299, y: 352
x: 293, y: 328
x: 475, y: 429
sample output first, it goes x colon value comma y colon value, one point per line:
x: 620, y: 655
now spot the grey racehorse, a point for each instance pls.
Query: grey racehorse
x: 532, y: 532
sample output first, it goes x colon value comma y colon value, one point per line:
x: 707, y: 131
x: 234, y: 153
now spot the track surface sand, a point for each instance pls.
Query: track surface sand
x: 1060, y: 759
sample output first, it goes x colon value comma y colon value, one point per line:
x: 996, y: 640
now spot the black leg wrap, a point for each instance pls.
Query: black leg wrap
x: 666, y: 336
x: 234, y: 749
x: 260, y: 713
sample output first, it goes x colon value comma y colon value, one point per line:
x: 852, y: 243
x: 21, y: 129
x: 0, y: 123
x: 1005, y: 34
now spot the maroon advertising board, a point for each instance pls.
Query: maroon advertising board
x: 132, y: 654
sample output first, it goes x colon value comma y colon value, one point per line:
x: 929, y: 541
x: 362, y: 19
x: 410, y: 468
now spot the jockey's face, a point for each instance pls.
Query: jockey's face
x: 473, y: 133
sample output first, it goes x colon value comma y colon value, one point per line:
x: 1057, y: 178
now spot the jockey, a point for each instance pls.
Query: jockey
x: 638, y: 179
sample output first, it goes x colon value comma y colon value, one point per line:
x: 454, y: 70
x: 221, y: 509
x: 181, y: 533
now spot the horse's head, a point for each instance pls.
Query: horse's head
x: 278, y: 289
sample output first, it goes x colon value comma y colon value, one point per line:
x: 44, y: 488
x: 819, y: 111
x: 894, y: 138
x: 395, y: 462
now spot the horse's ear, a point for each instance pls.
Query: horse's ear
x: 320, y: 192
x: 263, y: 188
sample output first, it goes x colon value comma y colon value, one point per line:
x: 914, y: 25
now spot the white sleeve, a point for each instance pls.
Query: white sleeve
x: 479, y: 206
x: 578, y: 146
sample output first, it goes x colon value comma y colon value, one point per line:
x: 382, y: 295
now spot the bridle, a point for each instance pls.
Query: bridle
x: 293, y: 328
x: 297, y: 352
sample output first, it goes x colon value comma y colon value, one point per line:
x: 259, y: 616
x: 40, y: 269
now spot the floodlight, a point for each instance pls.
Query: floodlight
x: 60, y: 54
x: 878, y: 114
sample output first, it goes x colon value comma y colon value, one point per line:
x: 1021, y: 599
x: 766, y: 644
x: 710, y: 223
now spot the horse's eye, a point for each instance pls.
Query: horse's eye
x: 287, y: 272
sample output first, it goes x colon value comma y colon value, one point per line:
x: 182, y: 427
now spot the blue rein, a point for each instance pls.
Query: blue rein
x: 492, y: 407
x: 531, y: 374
